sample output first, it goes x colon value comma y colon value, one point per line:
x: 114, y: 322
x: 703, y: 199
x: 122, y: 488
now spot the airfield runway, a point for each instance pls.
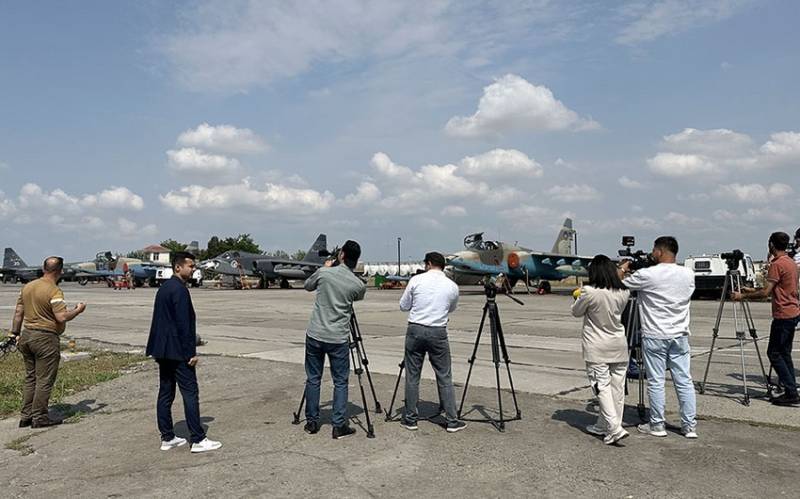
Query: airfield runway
x: 251, y: 380
x: 543, y: 339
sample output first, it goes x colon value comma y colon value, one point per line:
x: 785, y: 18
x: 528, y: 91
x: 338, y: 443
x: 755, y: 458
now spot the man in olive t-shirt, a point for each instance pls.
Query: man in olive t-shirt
x: 42, y: 312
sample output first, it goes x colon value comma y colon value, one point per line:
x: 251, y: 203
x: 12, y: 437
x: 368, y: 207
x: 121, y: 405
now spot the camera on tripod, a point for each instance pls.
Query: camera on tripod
x: 733, y: 258
x: 639, y: 259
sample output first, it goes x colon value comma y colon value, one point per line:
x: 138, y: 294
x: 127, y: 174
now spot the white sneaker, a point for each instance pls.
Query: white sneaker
x: 206, y: 445
x: 171, y: 444
x: 615, y: 437
x: 595, y: 430
x: 649, y: 430
x: 690, y: 433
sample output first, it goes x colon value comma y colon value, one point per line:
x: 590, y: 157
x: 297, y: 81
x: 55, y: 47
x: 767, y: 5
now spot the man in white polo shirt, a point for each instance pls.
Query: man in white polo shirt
x: 429, y: 298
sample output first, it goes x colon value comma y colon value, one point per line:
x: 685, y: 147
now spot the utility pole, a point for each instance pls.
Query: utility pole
x: 398, y: 256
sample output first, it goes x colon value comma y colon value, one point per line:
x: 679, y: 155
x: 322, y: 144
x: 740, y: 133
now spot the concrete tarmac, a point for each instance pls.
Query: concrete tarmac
x: 255, y: 383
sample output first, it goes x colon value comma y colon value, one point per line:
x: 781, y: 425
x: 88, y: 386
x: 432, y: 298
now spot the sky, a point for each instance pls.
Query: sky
x: 126, y: 123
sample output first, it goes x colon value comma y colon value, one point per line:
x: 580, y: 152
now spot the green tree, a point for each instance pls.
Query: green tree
x: 173, y: 245
x: 298, y: 255
x: 242, y: 242
x: 138, y: 255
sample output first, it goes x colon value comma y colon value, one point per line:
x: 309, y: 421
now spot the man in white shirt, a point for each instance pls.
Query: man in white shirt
x: 664, y: 292
x: 429, y: 298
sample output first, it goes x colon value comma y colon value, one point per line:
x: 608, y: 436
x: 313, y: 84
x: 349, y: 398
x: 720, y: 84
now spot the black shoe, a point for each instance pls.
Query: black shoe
x: 786, y: 400
x: 342, y: 431
x: 24, y: 423
x: 311, y: 427
x: 44, y: 423
x: 456, y: 426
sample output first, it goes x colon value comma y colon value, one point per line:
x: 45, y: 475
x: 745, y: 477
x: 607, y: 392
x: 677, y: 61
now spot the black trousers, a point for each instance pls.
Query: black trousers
x: 170, y: 373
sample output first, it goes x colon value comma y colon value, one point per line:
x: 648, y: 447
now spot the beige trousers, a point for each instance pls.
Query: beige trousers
x: 608, y: 383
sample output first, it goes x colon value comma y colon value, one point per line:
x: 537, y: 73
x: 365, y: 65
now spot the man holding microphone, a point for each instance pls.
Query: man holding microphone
x: 429, y: 298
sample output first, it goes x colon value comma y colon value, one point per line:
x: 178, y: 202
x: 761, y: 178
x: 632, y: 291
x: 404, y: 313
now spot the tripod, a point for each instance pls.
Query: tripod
x: 742, y: 318
x: 498, y: 349
x: 360, y: 366
x: 633, y: 327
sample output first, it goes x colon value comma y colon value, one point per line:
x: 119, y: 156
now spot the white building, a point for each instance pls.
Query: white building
x: 156, y: 253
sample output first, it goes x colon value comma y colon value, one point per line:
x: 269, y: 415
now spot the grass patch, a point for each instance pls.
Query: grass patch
x: 20, y: 445
x: 73, y: 376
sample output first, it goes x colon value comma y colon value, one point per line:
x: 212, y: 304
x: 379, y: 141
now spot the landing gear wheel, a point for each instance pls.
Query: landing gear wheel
x: 544, y: 288
x: 285, y: 284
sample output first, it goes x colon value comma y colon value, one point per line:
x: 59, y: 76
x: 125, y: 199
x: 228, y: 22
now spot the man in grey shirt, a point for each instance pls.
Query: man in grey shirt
x: 328, y: 334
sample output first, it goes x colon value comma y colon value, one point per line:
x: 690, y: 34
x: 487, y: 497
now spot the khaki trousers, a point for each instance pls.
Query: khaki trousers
x: 41, y: 353
x: 608, y: 383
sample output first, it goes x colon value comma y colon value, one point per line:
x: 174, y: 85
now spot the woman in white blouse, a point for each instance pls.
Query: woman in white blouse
x: 605, y: 348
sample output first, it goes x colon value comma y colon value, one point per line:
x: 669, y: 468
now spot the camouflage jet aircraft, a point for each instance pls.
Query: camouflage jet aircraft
x: 267, y: 268
x: 487, y: 259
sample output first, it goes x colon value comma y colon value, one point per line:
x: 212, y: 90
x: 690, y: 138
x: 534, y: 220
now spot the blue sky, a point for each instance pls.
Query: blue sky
x: 125, y: 123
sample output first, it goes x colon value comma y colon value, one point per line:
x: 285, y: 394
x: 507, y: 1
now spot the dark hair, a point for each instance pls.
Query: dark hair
x: 797, y: 234
x: 179, y: 257
x: 779, y: 240
x: 667, y: 243
x: 352, y: 252
x: 435, y: 259
x: 603, y: 273
x: 53, y: 264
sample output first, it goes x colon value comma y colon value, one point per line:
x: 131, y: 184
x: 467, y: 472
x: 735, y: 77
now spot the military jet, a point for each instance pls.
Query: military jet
x: 16, y: 270
x: 269, y: 269
x: 487, y: 259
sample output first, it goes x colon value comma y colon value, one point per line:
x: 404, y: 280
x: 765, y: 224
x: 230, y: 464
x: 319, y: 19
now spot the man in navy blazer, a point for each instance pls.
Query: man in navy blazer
x: 172, y: 344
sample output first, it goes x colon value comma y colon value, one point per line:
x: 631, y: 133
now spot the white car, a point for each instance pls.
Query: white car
x: 163, y: 275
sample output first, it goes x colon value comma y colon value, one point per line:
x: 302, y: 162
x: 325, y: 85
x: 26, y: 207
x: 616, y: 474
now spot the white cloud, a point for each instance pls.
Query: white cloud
x: 500, y: 163
x: 130, y: 230
x: 573, y: 193
x: 783, y: 148
x: 681, y: 165
x: 684, y: 220
x: 512, y: 103
x: 272, y: 198
x: 693, y: 152
x: 192, y: 160
x: 223, y: 138
x: 654, y: 19
x: 7, y: 206
x: 629, y: 183
x: 454, y: 211
x: 715, y: 143
x: 385, y: 166
x: 753, y: 193
x: 367, y: 193
x: 114, y: 197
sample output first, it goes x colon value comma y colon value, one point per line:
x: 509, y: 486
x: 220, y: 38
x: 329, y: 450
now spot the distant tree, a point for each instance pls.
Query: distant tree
x: 173, y: 245
x: 242, y: 242
x: 138, y: 255
x: 299, y: 255
x: 278, y: 254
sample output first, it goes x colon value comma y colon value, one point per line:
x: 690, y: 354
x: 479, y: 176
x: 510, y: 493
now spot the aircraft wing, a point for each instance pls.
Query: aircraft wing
x: 567, y: 265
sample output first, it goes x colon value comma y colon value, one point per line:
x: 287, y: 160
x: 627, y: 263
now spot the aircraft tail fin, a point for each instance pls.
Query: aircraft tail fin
x: 564, y: 241
x: 11, y: 260
x: 321, y: 244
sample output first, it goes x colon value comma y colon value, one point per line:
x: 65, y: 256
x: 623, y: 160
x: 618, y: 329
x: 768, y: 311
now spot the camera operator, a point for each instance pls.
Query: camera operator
x: 664, y: 291
x: 782, y: 287
x: 429, y: 299
x: 328, y: 334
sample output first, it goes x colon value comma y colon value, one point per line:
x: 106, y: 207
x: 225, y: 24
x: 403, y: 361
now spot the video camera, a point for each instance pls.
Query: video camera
x: 331, y: 255
x: 639, y: 259
x: 8, y: 345
x: 500, y: 284
x: 791, y: 250
x: 732, y: 259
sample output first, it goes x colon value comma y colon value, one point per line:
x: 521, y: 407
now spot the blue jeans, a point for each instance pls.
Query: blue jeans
x: 673, y: 353
x: 779, y: 351
x: 171, y: 372
x: 339, y: 357
x: 433, y: 341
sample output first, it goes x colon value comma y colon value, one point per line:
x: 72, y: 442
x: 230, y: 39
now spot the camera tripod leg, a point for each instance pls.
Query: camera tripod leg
x: 296, y: 419
x: 355, y: 332
x: 504, y: 351
x: 715, y: 334
x: 359, y: 370
x: 471, y: 360
x: 744, y: 372
x: 754, y: 334
x: 402, y: 366
x: 494, y: 322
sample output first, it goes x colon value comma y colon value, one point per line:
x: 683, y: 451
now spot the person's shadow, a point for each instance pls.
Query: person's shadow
x: 581, y: 419
x: 84, y: 407
x: 182, y: 429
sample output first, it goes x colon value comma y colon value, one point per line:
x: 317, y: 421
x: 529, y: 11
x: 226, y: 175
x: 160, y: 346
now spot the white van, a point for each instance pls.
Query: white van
x: 165, y: 274
x: 710, y: 270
